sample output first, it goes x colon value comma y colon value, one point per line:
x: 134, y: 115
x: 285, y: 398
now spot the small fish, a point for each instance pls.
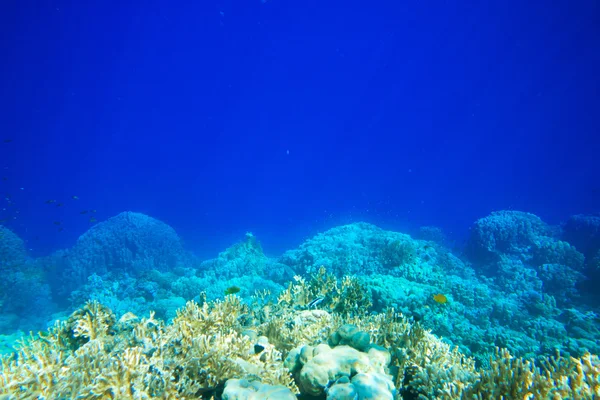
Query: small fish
x: 83, y: 212
x: 50, y: 201
x: 4, y: 178
x: 56, y: 222
x: 61, y: 229
x: 440, y: 298
x: 92, y: 220
x: 7, y: 140
x: 75, y: 197
x: 232, y: 290
x: 59, y: 205
x: 315, y: 302
x: 93, y: 211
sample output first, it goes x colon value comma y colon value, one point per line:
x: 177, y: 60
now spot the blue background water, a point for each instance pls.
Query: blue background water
x: 286, y: 118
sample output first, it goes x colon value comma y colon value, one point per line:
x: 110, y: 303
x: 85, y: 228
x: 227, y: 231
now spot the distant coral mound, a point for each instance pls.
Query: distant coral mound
x: 519, y: 236
x: 12, y: 249
x: 583, y: 232
x: 24, y: 295
x: 241, y: 259
x: 356, y: 248
x: 130, y: 242
x: 505, y: 232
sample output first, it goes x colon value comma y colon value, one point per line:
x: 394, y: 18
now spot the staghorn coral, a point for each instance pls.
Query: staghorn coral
x: 208, y: 344
x: 305, y: 327
x: 92, y: 356
x: 554, y: 378
x: 348, y: 297
x: 430, y: 368
x: 220, y: 316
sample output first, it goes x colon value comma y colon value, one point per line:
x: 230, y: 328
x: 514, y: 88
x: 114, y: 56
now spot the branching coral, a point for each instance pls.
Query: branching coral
x: 93, y: 356
x: 306, y: 327
x: 348, y: 297
x: 554, y: 378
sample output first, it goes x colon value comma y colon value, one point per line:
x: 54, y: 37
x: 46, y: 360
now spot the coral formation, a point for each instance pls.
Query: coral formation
x: 212, y: 349
x: 129, y: 242
x: 583, y: 231
x: 505, y: 232
x: 92, y: 355
x: 352, y: 292
x: 25, y: 298
x: 516, y: 300
x: 244, y: 389
x: 243, y: 258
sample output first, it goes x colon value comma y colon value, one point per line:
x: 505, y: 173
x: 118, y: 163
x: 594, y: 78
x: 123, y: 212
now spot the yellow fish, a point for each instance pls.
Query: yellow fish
x: 440, y: 298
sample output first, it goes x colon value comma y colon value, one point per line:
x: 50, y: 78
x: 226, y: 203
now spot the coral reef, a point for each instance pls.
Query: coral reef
x: 244, y: 389
x: 349, y: 249
x: 432, y: 234
x: 583, y: 231
x: 25, y: 297
x: 514, y: 300
x: 354, y: 289
x: 92, y: 355
x: 129, y: 242
x: 505, y: 232
x: 12, y: 249
x: 243, y: 258
x: 231, y: 350
x: 323, y: 291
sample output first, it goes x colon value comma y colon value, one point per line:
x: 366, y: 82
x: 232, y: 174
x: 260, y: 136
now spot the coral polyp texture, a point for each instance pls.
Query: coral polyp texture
x: 227, y: 349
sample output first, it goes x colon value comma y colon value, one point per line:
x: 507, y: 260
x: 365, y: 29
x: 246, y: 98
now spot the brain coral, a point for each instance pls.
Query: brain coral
x: 130, y: 242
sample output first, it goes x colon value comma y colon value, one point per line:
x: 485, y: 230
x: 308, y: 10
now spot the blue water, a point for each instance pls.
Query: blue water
x: 286, y: 119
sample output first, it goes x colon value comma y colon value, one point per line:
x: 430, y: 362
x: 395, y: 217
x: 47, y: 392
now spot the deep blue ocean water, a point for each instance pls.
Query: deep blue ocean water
x: 440, y: 157
x: 286, y: 118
